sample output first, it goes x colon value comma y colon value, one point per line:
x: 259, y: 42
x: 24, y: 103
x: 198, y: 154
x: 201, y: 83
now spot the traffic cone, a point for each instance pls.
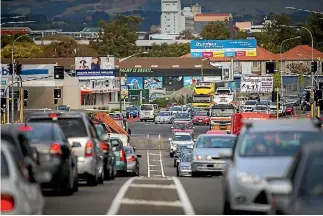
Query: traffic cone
x: 131, y: 118
x: 309, y: 115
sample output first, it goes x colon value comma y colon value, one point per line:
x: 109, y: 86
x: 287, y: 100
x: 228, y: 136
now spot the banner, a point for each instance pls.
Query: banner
x: 124, y: 92
x: 212, y: 78
x: 94, y: 67
x: 256, y: 84
x: 173, y: 83
x: 153, y: 82
x: 136, y: 70
x: 100, y: 86
x: 135, y: 82
x: 189, y: 80
x: 30, y: 70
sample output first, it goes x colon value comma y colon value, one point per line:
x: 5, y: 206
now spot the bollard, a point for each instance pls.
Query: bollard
x: 158, y: 136
x: 147, y: 136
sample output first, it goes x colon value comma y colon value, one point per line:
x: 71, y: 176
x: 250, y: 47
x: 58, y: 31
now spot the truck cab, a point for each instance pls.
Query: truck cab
x: 221, y: 116
x: 238, y: 118
x: 203, y: 94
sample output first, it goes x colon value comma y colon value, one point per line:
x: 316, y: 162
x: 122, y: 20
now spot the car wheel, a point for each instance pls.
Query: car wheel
x: 227, y: 208
x: 195, y: 174
x: 76, y: 183
x: 107, y: 174
x: 67, y: 188
x: 141, y: 120
x: 171, y: 155
x: 91, y: 180
x: 114, y: 173
x: 101, y: 178
x: 177, y: 173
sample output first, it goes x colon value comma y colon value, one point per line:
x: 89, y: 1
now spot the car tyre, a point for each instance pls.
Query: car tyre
x: 91, y: 180
x: 195, y: 174
x: 141, y: 120
x: 171, y: 154
x: 101, y: 178
x: 76, y: 183
x: 177, y: 172
x: 67, y: 189
x: 227, y: 210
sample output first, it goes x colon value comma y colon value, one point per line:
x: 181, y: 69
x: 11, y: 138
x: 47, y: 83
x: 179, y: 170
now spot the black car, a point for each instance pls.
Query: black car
x: 55, y: 155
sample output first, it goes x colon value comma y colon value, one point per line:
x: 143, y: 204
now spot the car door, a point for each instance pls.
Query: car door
x: 111, y: 157
x: 96, y: 146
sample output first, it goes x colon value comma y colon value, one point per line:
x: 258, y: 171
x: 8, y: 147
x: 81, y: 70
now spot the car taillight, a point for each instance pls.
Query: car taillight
x: 88, y: 149
x: 104, y: 147
x: 122, y: 155
x: 7, y: 203
x: 131, y: 158
x: 25, y: 128
x: 55, y: 148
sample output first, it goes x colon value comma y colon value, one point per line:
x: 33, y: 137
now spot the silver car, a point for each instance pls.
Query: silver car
x: 19, y: 196
x: 132, y: 161
x: 263, y: 151
x: 179, y: 138
x: 261, y: 109
x: 184, y: 166
x: 164, y: 117
x: 207, y: 152
x: 250, y: 105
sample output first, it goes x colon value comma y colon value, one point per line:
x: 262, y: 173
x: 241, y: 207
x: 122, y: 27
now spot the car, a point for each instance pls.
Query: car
x: 264, y: 150
x: 176, y: 109
x: 180, y: 150
x: 249, y: 105
x: 290, y: 109
x: 182, y: 116
x: 179, y: 139
x: 147, y: 112
x: 294, y: 99
x: 207, y: 152
x: 261, y: 109
x: 216, y: 132
x: 300, y: 191
x: 116, y: 116
x: 120, y: 155
x: 19, y: 195
x: 184, y: 166
x: 83, y: 139
x: 132, y: 111
x: 183, y: 127
x: 53, y: 148
x: 169, y: 106
x: 100, y: 127
x: 201, y: 117
x: 264, y: 102
x: 164, y: 117
x: 133, y: 167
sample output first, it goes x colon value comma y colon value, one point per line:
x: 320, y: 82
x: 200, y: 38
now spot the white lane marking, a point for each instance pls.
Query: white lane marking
x: 155, y: 161
x: 115, y: 205
x: 148, y: 163
x: 153, y: 203
x: 156, y: 186
x: 154, y: 179
x: 186, y: 203
x: 153, y: 165
x: 161, y: 164
x: 155, y: 170
x: 154, y: 154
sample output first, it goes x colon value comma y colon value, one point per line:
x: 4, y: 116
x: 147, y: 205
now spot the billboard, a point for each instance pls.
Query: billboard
x: 172, y: 83
x: 135, y: 82
x: 124, y: 92
x: 30, y: 70
x: 153, y: 82
x: 223, y: 48
x: 256, y: 84
x: 94, y: 67
x: 189, y: 80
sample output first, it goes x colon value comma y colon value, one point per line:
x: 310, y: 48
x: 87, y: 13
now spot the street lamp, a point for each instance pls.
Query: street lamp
x: 202, y: 73
x: 305, y: 10
x: 121, y: 60
x: 12, y: 77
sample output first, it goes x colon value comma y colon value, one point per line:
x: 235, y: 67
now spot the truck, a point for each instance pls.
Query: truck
x: 238, y: 118
x: 203, y: 94
x: 221, y: 117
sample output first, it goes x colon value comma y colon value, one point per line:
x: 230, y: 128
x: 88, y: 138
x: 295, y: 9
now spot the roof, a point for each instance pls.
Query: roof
x: 243, y: 25
x: 211, y: 17
x: 227, y: 14
x: 262, y: 55
x: 301, y: 52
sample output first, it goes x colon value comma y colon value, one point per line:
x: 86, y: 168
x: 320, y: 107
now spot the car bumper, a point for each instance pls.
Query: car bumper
x: 147, y: 118
x: 131, y: 167
x: 185, y: 173
x: 208, y: 166
x: 197, y: 122
x: 121, y: 166
x: 86, y: 166
x: 163, y: 121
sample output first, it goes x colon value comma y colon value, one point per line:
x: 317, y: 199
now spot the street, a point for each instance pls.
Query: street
x: 162, y: 193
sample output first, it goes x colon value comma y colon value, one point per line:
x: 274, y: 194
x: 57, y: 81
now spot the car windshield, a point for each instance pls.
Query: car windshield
x: 201, y: 113
x: 4, y: 166
x: 215, y: 142
x: 164, y: 114
x: 312, y: 185
x: 223, y: 91
x: 221, y: 112
x: 44, y: 133
x: 182, y: 115
x: 177, y: 108
x: 182, y: 138
x: 264, y: 103
x: 147, y: 107
x: 251, y: 102
x: 272, y: 144
x: 188, y: 157
x: 261, y: 108
x: 100, y: 129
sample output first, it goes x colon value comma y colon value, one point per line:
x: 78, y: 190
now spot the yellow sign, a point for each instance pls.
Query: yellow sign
x: 251, y: 53
x: 218, y: 54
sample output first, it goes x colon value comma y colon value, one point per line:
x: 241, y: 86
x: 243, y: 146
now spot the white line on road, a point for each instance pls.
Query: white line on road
x: 149, y: 202
x: 115, y: 206
x: 161, y: 164
x: 186, y: 203
x: 148, y: 163
x: 154, y: 179
x: 155, y: 170
x: 156, y: 186
x: 155, y: 165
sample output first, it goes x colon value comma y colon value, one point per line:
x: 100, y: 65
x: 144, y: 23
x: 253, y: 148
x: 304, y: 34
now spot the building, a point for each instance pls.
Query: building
x: 15, y: 30
x: 196, y: 9
x: 201, y: 20
x: 243, y: 26
x: 260, y: 28
x: 170, y: 16
x: 187, y: 19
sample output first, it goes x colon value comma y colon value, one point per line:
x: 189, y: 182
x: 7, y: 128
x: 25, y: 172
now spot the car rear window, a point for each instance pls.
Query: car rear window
x: 42, y: 133
x: 71, y: 127
x: 116, y: 143
x: 4, y: 166
x: 100, y: 129
x: 128, y: 150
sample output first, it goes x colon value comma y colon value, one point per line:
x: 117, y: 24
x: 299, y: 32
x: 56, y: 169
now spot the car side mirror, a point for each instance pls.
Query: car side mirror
x: 43, y: 177
x: 138, y: 156
x: 195, y: 140
x: 279, y: 187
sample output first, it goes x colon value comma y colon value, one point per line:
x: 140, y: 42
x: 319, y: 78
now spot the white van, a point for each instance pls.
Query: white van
x: 147, y: 112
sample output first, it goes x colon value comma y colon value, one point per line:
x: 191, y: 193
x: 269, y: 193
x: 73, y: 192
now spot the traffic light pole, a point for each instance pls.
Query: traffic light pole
x: 12, y: 93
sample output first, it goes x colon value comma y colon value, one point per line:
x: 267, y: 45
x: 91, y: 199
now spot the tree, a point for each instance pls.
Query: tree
x: 23, y: 50
x: 215, y: 31
x: 241, y: 35
x: 169, y: 50
x: 154, y: 29
x: 118, y: 37
x: 315, y: 25
x: 186, y: 35
x: 9, y: 39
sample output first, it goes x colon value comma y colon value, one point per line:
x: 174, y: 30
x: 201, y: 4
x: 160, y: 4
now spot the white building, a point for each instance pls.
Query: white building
x: 187, y: 19
x: 260, y: 28
x: 170, y: 16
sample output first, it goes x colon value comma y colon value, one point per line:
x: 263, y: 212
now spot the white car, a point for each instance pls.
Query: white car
x: 164, y: 117
x: 180, y: 138
x: 19, y: 196
x: 249, y: 105
x: 223, y: 95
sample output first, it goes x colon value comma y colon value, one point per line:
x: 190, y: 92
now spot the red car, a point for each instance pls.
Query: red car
x: 290, y: 109
x: 201, y: 118
x: 183, y: 127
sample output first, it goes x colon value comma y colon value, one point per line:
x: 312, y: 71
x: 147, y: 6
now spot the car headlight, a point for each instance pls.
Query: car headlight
x: 249, y: 178
x: 199, y: 157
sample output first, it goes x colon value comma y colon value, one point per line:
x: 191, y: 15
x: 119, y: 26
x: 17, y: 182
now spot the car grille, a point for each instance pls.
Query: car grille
x: 261, y: 198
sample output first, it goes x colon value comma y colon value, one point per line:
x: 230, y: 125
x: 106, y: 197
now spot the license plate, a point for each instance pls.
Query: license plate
x: 223, y: 127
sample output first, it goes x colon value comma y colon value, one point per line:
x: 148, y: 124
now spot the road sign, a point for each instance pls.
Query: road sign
x: 223, y: 48
x: 258, y: 84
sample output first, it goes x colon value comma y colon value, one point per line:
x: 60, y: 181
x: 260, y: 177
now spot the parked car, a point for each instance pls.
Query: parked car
x: 133, y: 167
x: 120, y: 155
x: 84, y: 140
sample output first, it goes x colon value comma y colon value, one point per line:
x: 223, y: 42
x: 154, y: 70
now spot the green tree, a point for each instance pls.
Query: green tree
x: 315, y: 25
x: 118, y: 37
x: 169, y: 50
x: 186, y: 35
x: 241, y: 35
x: 22, y: 50
x: 215, y: 31
x: 9, y: 39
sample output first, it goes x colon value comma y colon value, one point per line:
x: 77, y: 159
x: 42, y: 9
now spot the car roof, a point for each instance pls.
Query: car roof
x: 216, y: 135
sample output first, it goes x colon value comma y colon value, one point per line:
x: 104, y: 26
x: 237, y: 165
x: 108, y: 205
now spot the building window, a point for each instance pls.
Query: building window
x: 255, y: 64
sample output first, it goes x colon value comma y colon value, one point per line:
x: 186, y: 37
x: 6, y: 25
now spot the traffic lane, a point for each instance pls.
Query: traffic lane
x: 89, y: 200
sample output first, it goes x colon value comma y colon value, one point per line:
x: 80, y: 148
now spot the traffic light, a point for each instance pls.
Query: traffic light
x: 25, y: 103
x: 270, y: 67
x: 313, y: 66
x: 58, y: 72
x: 57, y: 93
x: 26, y: 94
x: 10, y: 68
x: 18, y: 68
x: 3, y: 102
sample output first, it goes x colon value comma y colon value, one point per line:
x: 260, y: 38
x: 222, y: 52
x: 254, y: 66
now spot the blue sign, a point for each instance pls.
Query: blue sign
x: 26, y: 72
x: 101, y: 72
x: 223, y: 44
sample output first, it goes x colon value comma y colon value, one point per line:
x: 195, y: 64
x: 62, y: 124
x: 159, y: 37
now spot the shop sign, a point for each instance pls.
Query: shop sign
x: 136, y: 70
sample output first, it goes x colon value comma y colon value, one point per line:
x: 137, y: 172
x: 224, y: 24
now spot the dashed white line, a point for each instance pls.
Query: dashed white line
x: 186, y: 203
x: 115, y: 205
x: 148, y: 163
x: 156, y: 186
x: 161, y: 164
x: 149, y: 202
